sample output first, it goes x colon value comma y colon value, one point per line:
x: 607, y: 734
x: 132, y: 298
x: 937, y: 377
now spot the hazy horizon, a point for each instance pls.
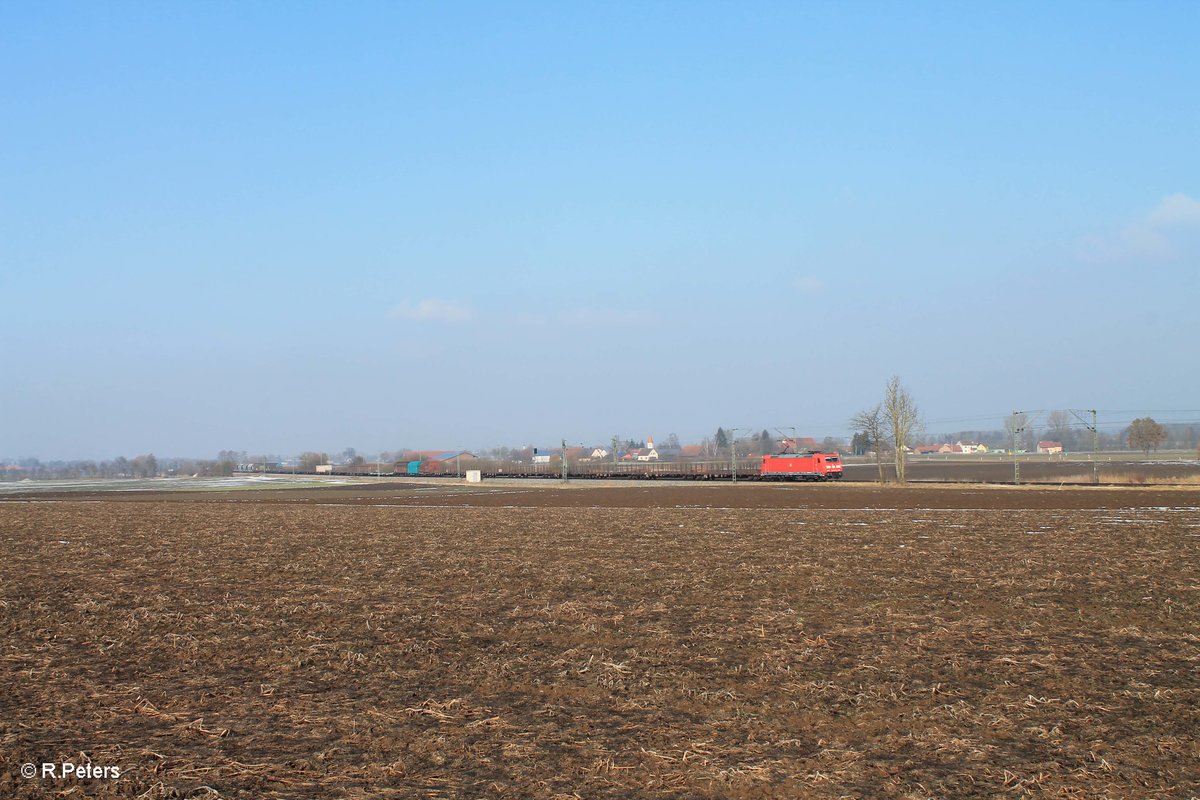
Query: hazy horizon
x: 932, y: 430
x: 275, y: 228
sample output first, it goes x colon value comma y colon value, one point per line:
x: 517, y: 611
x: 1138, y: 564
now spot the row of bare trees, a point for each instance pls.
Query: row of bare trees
x: 142, y: 466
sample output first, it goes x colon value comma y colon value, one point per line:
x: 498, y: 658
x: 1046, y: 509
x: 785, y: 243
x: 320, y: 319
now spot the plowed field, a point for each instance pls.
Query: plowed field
x: 604, y: 642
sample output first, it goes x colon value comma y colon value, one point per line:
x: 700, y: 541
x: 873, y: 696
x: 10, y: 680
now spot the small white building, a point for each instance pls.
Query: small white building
x: 648, y: 453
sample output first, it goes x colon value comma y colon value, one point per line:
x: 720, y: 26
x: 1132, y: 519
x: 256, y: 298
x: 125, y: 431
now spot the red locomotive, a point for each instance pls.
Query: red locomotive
x: 802, y: 467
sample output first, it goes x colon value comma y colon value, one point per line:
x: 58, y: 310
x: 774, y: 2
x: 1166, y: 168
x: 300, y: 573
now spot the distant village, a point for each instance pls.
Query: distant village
x: 1044, y: 447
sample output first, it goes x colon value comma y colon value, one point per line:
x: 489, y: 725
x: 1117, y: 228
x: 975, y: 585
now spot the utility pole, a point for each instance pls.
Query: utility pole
x: 733, y: 452
x: 564, y: 460
x: 1016, y: 431
x: 1096, y: 440
x: 1095, y: 429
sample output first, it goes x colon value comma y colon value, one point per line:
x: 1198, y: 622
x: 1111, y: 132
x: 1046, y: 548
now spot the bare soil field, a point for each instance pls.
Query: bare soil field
x: 1047, y: 469
x: 412, y: 640
x: 656, y: 494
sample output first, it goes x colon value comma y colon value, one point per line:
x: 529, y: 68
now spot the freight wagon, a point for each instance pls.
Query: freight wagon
x: 747, y: 469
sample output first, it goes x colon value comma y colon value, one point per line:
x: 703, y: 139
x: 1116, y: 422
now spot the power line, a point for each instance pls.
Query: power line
x: 1150, y: 411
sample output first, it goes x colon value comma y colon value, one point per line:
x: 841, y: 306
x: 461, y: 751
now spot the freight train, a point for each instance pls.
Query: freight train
x: 809, y: 466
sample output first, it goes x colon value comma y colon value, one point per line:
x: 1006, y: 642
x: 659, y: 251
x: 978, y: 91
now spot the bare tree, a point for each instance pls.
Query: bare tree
x: 1058, y: 424
x: 870, y: 424
x: 902, y: 418
x: 144, y: 466
x: 1146, y: 434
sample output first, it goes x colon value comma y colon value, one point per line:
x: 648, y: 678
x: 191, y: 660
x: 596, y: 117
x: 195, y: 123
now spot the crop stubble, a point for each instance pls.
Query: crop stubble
x: 297, y: 650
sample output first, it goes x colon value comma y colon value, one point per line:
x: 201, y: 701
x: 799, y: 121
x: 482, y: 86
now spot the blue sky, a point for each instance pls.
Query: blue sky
x: 277, y: 227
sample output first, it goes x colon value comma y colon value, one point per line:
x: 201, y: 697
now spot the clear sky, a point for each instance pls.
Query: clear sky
x: 287, y: 226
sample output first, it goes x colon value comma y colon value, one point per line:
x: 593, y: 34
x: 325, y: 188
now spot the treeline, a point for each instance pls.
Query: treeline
x: 763, y: 443
x: 142, y: 466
